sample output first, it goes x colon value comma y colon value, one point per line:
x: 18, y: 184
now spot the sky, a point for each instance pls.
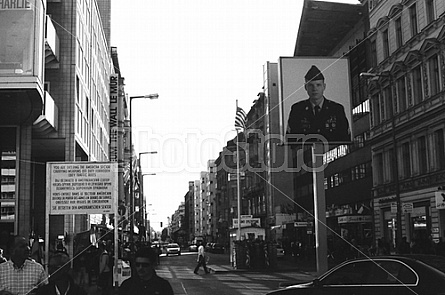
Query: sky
x: 201, y: 57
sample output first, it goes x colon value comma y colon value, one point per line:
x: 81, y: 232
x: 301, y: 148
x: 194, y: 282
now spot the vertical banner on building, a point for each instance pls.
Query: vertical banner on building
x: 114, y: 118
x: 116, y: 155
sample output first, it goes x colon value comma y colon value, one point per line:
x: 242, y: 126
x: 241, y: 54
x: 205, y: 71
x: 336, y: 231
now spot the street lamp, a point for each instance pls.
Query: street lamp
x: 394, y: 143
x: 149, y: 96
x: 142, y: 208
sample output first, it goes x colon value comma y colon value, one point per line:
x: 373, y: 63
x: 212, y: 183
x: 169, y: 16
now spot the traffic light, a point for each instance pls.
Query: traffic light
x: 161, y: 223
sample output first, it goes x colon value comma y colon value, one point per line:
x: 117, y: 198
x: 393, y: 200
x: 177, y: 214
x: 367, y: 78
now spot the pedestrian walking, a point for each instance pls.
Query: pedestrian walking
x: 105, y: 279
x: 201, y: 259
x: 60, y: 280
x: 144, y: 280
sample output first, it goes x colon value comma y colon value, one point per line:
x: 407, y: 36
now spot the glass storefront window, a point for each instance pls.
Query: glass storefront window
x: 21, y: 35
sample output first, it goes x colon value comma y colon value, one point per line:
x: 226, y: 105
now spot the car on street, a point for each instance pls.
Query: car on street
x: 193, y: 248
x: 173, y: 249
x: 217, y: 248
x: 394, y: 274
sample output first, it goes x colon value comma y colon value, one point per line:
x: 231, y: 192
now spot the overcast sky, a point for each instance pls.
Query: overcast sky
x: 200, y: 56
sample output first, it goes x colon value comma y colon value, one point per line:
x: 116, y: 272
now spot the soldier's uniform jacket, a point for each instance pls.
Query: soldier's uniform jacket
x: 331, y: 122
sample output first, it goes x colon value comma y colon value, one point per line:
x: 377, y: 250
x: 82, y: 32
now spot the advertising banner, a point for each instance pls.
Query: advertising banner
x: 114, y: 118
x: 314, y: 95
x: 81, y: 187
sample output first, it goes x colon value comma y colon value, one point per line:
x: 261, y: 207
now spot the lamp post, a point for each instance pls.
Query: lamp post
x: 148, y: 221
x: 149, y: 96
x: 142, y: 208
x: 142, y: 199
x: 395, y: 163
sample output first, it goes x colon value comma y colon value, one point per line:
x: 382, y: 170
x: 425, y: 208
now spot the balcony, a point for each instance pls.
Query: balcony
x: 48, y: 120
x: 21, y: 65
x: 52, y: 45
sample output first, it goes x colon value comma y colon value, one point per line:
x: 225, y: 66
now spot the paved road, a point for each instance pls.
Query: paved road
x: 179, y: 271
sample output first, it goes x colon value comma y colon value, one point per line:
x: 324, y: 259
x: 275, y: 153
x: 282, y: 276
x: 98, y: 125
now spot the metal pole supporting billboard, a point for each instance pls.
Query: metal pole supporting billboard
x: 321, y: 248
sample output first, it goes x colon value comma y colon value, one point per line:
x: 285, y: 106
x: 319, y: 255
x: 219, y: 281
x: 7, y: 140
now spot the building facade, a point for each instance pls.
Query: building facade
x: 407, y: 124
x: 59, y: 104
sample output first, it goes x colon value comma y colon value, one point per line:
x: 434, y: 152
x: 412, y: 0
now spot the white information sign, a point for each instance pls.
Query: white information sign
x: 394, y: 207
x: 407, y: 207
x: 247, y: 222
x: 82, y: 187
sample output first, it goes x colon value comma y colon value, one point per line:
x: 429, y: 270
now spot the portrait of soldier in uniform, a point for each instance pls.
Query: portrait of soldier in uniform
x: 318, y: 114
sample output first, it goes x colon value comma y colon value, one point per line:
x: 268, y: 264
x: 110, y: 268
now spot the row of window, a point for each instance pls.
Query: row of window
x: 406, y: 91
x: 7, y: 213
x: 7, y: 195
x: 424, y: 154
x: 349, y: 175
x: 359, y: 141
x: 346, y: 176
x: 6, y: 179
x: 94, y: 67
x: 402, y: 26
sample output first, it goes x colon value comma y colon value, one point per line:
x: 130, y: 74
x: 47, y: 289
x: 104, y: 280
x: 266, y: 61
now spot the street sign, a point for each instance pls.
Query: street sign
x: 407, y: 207
x: 394, y: 207
x: 232, y: 176
x: 355, y: 219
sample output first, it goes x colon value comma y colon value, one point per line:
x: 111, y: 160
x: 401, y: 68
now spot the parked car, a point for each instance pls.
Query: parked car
x: 217, y: 248
x: 407, y: 274
x: 173, y: 248
x: 193, y: 248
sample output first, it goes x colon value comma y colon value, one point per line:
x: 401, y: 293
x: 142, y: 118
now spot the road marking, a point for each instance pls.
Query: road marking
x: 183, y: 288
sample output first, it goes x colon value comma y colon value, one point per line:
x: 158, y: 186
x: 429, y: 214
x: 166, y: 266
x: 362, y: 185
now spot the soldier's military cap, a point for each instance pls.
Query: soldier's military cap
x: 314, y: 74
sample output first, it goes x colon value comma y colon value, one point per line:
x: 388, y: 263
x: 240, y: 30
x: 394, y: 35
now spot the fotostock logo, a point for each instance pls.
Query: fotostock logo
x: 191, y: 150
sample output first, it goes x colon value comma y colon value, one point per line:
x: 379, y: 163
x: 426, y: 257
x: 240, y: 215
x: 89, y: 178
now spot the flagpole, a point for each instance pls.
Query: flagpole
x: 238, y: 186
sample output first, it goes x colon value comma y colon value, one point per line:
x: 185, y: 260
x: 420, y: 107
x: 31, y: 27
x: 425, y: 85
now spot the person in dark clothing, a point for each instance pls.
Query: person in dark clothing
x: 440, y: 247
x: 144, y: 280
x: 105, y: 279
x: 404, y: 247
x: 318, y: 115
x: 60, y: 281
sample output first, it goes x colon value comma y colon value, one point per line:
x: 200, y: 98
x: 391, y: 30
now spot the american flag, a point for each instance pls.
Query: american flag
x: 240, y: 119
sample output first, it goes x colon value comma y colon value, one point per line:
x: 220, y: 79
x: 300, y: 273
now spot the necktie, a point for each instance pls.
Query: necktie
x: 317, y: 110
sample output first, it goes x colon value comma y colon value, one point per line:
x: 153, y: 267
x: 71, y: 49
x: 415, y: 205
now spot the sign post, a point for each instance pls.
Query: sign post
x: 321, y: 241
x: 80, y: 188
